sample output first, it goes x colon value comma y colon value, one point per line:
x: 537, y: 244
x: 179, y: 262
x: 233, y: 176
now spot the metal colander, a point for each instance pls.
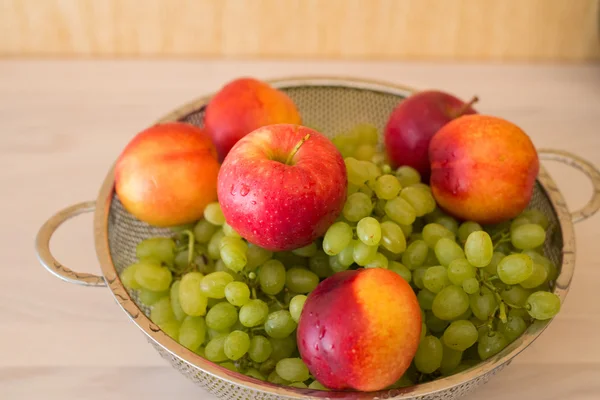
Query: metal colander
x: 331, y: 105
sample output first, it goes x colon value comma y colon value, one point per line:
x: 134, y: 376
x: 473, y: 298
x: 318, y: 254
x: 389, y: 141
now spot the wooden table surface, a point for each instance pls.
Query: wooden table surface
x: 63, y: 123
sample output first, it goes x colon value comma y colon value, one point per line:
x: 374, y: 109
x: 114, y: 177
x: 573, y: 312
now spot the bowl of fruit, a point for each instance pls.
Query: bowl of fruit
x: 332, y: 238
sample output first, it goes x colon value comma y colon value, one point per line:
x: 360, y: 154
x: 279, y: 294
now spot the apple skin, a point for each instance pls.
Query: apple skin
x: 242, y: 106
x: 413, y: 123
x: 483, y: 169
x: 167, y: 174
x: 278, y: 206
x: 360, y: 329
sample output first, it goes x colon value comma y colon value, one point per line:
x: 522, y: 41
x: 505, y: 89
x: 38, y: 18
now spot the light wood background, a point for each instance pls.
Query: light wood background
x: 530, y: 30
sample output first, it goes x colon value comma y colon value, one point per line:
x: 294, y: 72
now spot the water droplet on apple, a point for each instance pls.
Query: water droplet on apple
x: 322, y: 333
x: 316, y: 346
x: 232, y: 190
x: 244, y: 190
x: 253, y: 202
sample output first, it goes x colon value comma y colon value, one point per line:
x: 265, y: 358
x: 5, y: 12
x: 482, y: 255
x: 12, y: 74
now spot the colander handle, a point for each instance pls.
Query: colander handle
x: 42, y: 247
x: 593, y: 205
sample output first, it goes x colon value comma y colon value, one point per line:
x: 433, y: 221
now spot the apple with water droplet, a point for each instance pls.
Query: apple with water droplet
x: 282, y: 185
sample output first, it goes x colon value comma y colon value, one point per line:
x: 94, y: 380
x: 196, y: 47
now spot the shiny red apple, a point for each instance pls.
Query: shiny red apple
x: 413, y: 123
x: 281, y: 186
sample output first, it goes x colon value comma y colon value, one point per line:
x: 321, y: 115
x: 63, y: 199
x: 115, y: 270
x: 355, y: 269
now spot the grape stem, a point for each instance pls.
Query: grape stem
x: 280, y: 304
x: 191, y: 241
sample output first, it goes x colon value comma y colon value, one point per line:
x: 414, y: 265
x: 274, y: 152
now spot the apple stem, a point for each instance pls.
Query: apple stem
x: 465, y: 107
x: 296, y: 148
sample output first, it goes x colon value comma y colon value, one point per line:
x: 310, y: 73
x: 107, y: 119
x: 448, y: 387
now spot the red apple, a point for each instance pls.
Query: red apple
x: 483, y: 169
x: 360, y: 329
x: 281, y: 186
x: 413, y: 123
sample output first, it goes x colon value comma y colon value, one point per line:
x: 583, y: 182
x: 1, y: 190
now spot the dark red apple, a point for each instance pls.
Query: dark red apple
x: 413, y: 123
x: 281, y: 186
x: 360, y: 329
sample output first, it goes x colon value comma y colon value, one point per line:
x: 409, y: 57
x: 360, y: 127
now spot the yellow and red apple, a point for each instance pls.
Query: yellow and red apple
x: 242, y: 106
x: 360, y: 329
x: 167, y: 174
x: 483, y: 168
x: 281, y: 186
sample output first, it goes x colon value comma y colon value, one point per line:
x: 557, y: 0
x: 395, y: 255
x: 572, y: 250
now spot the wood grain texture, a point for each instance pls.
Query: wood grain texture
x: 62, y: 124
x: 386, y: 29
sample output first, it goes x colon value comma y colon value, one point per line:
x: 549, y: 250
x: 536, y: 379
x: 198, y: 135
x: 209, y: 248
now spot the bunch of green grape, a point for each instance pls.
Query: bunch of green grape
x: 238, y: 305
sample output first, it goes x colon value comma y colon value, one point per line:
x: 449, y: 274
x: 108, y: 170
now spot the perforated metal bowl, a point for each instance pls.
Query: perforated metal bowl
x: 332, y: 105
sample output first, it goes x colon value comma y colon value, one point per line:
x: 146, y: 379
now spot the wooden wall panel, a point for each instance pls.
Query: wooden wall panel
x: 400, y: 29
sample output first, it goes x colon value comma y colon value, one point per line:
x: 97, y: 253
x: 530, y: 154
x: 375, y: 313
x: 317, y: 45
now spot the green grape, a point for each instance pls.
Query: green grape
x: 346, y: 256
x: 434, y: 232
x: 171, y: 328
x: 515, y: 223
x: 149, y: 297
x: 221, y: 267
x: 335, y: 265
x: 491, y: 344
x: 181, y: 260
x: 434, y: 215
x: 337, y: 237
x: 492, y: 267
x: 357, y: 206
x: 213, y: 284
x: 479, y: 249
x: 128, y: 277
x: 380, y: 261
x: 276, y: 379
x: 256, y: 256
x: 260, y: 349
x: 519, y: 312
x: 364, y: 152
x: 460, y: 270
x: 233, y: 252
x: 364, y: 254
x: 400, y: 211
x: 537, y: 258
x: 292, y: 369
x: 424, y: 328
x: 450, y: 303
x: 307, y: 251
x: 447, y: 250
x: 428, y: 357
x: 407, y: 176
x: 504, y: 247
x: 536, y: 217
x: 448, y: 222
x: 280, y: 324
x: 221, y: 317
x: 425, y: 298
x: 254, y: 313
x: 214, y: 244
x: 237, y: 293
x: 483, y: 304
x: 466, y: 228
x: 254, y: 373
x: 373, y: 170
x: 436, y: 278
x: 203, y: 231
x: 460, y: 335
x: 192, y: 332
x: 176, y: 303
x: 515, y: 268
x: 543, y: 305
x: 316, y: 385
x: 415, y: 254
x: 515, y: 295
x: 288, y: 259
x: 470, y: 285
x: 431, y: 259
x: 400, y: 270
x: 296, y: 305
x: 236, y: 345
x: 450, y: 360
x: 302, y: 385
x: 161, y: 311
x: 392, y: 237
x: 301, y: 280
x: 418, y: 275
x: 387, y: 187
x: 434, y: 324
x: 229, y: 231
x: 537, y: 277
x: 406, y: 229
x: 319, y: 264
x: 215, y: 349
x: 152, y: 276
x: 528, y: 236
x: 356, y: 174
x: 271, y: 276
x: 421, y: 200
x: 367, y: 133
x: 214, y: 214
x: 404, y: 381
x: 229, y: 365
x: 368, y: 231
x: 159, y: 249
x: 282, y: 348
x: 513, y: 328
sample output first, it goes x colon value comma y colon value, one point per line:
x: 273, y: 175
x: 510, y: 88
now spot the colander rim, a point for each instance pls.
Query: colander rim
x: 153, y: 332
